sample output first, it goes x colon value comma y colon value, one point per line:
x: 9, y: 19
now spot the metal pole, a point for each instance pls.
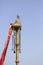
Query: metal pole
x: 17, y: 51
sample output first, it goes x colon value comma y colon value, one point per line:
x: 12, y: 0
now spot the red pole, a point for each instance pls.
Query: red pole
x: 6, y: 46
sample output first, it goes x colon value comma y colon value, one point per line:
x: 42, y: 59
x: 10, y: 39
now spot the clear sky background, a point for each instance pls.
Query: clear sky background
x: 31, y: 15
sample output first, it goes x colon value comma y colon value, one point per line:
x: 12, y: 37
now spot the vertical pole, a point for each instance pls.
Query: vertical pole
x: 17, y: 45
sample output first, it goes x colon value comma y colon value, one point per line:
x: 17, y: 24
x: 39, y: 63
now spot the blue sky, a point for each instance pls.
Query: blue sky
x: 31, y: 15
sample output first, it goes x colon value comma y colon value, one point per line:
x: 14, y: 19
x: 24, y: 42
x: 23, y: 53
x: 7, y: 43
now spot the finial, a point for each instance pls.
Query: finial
x: 18, y: 17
